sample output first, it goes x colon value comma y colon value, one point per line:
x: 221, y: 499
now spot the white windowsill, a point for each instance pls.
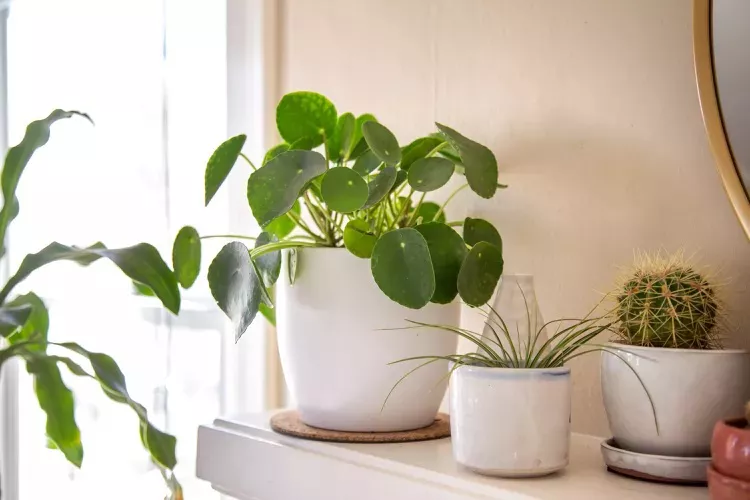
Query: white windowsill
x: 242, y: 457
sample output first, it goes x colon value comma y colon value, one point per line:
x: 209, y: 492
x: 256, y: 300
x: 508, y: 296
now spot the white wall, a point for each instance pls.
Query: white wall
x: 590, y: 107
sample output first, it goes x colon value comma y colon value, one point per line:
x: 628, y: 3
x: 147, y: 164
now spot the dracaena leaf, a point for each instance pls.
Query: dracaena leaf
x: 37, y: 134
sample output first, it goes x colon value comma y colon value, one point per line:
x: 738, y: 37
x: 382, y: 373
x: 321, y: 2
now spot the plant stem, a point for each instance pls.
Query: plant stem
x: 298, y: 220
x: 436, y: 149
x: 402, y: 212
x: 455, y: 223
x: 281, y: 245
x: 233, y: 236
x: 416, y: 209
x: 248, y: 160
x: 379, y: 223
x: 454, y: 193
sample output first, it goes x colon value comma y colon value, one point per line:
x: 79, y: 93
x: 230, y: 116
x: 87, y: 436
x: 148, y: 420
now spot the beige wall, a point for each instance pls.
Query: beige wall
x: 590, y: 107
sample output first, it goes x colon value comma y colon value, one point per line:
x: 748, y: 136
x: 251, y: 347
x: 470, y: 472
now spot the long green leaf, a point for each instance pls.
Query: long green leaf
x: 36, y: 325
x: 220, y: 164
x: 141, y: 263
x: 56, y: 400
x: 37, y: 134
x: 13, y: 317
x: 160, y: 445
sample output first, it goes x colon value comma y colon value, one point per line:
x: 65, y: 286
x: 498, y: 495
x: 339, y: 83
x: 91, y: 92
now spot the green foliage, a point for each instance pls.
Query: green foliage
x: 478, y: 161
x: 480, y: 273
x: 356, y: 190
x: 499, y: 346
x: 274, y: 187
x: 235, y: 286
x: 666, y: 302
x: 429, y: 174
x: 359, y: 239
x: 402, y: 267
x: 307, y: 117
x: 476, y: 230
x: 24, y: 319
x: 186, y: 256
x: 221, y: 163
x: 343, y: 190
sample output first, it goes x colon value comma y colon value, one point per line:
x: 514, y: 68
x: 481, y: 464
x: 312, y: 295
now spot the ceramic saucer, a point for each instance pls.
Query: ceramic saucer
x: 678, y: 470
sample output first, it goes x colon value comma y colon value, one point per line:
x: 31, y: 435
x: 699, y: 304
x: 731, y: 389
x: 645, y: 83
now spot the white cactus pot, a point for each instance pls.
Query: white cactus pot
x: 691, y: 390
x: 335, y: 347
x: 511, y: 422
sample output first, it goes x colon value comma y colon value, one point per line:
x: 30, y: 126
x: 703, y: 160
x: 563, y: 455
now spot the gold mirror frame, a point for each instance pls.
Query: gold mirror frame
x: 704, y: 75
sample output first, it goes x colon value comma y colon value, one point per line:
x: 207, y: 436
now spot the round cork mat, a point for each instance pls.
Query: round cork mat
x: 289, y: 423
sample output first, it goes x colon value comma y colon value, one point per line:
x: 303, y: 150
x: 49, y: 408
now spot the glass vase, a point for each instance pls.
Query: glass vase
x: 515, y: 317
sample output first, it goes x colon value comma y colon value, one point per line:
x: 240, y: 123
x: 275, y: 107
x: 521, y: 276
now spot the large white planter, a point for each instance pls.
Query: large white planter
x: 691, y: 391
x: 511, y: 422
x: 335, y: 350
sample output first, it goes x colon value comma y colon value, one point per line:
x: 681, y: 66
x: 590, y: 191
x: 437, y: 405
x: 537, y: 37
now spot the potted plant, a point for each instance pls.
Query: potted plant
x: 729, y: 473
x: 24, y: 322
x: 510, y: 400
x: 667, y: 316
x: 360, y: 256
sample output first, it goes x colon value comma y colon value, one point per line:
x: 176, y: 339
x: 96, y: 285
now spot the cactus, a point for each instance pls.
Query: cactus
x: 666, y: 302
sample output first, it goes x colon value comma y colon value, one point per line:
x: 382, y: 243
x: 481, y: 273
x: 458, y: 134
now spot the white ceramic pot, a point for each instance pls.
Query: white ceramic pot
x: 691, y: 391
x: 335, y: 350
x: 511, y: 422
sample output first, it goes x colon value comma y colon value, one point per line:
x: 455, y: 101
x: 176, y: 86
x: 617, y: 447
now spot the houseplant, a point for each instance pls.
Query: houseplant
x: 729, y: 473
x: 510, y: 400
x: 24, y: 322
x: 668, y: 316
x: 331, y: 211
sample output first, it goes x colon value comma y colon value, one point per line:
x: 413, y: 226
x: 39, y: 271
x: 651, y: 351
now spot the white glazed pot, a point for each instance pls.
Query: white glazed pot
x: 511, y: 422
x: 335, y: 348
x: 691, y: 390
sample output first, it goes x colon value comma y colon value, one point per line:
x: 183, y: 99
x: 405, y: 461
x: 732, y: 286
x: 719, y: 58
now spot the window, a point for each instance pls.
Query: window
x: 152, y: 74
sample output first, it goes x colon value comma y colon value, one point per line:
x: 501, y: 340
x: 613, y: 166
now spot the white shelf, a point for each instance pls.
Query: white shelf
x: 242, y: 457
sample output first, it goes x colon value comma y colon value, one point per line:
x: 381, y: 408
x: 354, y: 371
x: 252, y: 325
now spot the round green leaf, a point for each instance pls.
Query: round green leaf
x: 418, y: 149
x: 274, y: 187
x: 283, y: 225
x: 343, y: 190
x: 380, y: 186
x: 402, y: 267
x: 476, y: 230
x: 382, y: 142
x: 366, y: 163
x: 220, y: 164
x: 429, y: 174
x: 186, y: 256
x: 480, y: 273
x: 305, y: 115
x: 478, y: 160
x: 427, y: 211
x: 340, y: 142
x: 447, y: 252
x: 235, y: 286
x: 358, y: 239
x: 275, y: 151
x: 268, y: 264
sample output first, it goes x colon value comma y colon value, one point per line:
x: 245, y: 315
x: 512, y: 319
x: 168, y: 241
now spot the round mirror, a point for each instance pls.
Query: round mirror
x: 721, y: 39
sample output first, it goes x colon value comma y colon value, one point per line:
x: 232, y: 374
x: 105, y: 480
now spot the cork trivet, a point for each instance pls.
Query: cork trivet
x: 289, y: 423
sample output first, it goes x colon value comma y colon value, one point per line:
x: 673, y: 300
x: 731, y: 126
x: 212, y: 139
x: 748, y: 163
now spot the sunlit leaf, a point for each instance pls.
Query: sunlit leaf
x: 358, y: 238
x: 305, y: 116
x: 340, y: 142
x: 220, y: 164
x: 186, y: 256
x: 283, y: 225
